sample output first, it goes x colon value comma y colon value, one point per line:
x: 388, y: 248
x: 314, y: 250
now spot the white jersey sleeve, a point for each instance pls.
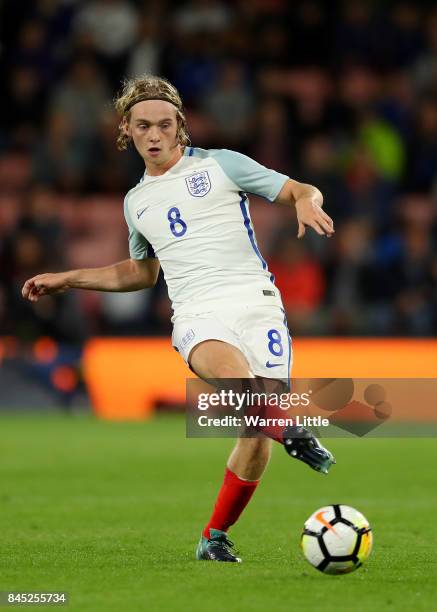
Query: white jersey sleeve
x: 249, y: 175
x: 139, y: 247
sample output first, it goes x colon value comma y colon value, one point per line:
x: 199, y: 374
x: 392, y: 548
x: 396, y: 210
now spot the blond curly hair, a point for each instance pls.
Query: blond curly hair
x: 148, y: 87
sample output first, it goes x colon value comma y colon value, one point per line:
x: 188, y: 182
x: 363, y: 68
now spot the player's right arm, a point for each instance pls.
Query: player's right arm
x: 127, y: 275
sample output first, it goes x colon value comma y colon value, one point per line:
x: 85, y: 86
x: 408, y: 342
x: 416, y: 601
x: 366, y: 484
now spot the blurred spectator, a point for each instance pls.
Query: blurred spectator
x: 423, y: 146
x: 362, y: 32
x: 61, y: 157
x: 396, y: 102
x: 310, y: 44
x: 81, y: 97
x: 113, y: 27
x: 24, y: 110
x: 359, y: 88
x: 300, y: 279
x: 41, y: 216
x: 29, y: 251
x: 384, y: 146
x: 271, y: 141
x: 202, y: 16
x: 320, y: 166
x: 273, y: 45
x: 368, y: 194
x: 145, y: 56
x: 112, y: 172
x: 125, y: 312
x: 58, y: 17
x: 34, y: 49
x: 415, y: 307
x: 194, y: 66
x: 404, y: 270
x: 407, y: 40
x: 230, y: 104
x: 425, y: 69
x: 349, y: 280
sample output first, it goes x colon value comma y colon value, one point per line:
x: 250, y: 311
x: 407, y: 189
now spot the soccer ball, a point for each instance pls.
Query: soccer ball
x: 336, y: 539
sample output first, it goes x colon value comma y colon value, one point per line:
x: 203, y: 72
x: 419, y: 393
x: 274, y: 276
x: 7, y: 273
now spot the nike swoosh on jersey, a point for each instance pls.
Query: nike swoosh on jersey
x: 273, y: 365
x: 141, y: 211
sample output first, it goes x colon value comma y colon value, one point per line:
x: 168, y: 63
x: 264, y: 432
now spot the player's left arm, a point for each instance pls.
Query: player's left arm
x: 251, y: 177
x: 308, y: 201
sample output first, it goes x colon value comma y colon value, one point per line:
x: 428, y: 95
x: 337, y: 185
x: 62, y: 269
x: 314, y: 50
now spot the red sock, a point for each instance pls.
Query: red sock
x: 233, y: 497
x: 271, y: 429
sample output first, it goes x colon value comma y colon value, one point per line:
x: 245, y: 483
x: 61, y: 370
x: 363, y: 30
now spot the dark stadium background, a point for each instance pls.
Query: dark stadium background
x: 340, y: 94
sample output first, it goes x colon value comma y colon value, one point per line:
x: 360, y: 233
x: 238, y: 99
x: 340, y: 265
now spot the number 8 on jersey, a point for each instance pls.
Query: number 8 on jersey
x: 177, y: 224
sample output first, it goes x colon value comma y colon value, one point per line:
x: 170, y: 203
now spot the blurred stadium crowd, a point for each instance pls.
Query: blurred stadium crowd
x: 341, y: 94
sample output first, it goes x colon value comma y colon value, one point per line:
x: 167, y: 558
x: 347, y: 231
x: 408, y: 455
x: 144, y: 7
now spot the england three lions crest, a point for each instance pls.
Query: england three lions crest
x: 198, y: 184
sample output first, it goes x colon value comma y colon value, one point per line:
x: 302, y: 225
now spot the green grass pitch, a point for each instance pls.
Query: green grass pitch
x: 111, y: 513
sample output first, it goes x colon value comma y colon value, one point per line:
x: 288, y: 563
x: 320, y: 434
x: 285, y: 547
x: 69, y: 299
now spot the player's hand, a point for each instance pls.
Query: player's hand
x: 44, y: 284
x: 310, y: 214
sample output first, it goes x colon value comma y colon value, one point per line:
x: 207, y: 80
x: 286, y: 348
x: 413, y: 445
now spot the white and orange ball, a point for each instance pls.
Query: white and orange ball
x: 336, y: 539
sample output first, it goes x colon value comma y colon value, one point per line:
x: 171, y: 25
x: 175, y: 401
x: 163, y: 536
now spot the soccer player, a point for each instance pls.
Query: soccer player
x: 189, y: 213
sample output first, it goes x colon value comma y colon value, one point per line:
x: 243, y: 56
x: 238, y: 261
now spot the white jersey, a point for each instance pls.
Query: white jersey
x: 195, y: 219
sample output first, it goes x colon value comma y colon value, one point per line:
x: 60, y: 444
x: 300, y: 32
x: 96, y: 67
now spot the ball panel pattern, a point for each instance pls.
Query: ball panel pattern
x: 337, y: 539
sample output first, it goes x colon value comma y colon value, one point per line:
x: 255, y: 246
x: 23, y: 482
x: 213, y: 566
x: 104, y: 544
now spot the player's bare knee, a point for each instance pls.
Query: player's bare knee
x: 231, y: 370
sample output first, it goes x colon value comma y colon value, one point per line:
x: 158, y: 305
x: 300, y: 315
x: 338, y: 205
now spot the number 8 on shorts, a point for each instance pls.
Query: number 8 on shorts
x: 275, y: 342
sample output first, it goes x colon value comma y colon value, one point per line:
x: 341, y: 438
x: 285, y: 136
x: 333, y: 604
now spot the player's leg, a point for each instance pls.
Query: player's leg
x: 249, y: 457
x: 213, y: 359
x: 217, y: 355
x: 263, y: 331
